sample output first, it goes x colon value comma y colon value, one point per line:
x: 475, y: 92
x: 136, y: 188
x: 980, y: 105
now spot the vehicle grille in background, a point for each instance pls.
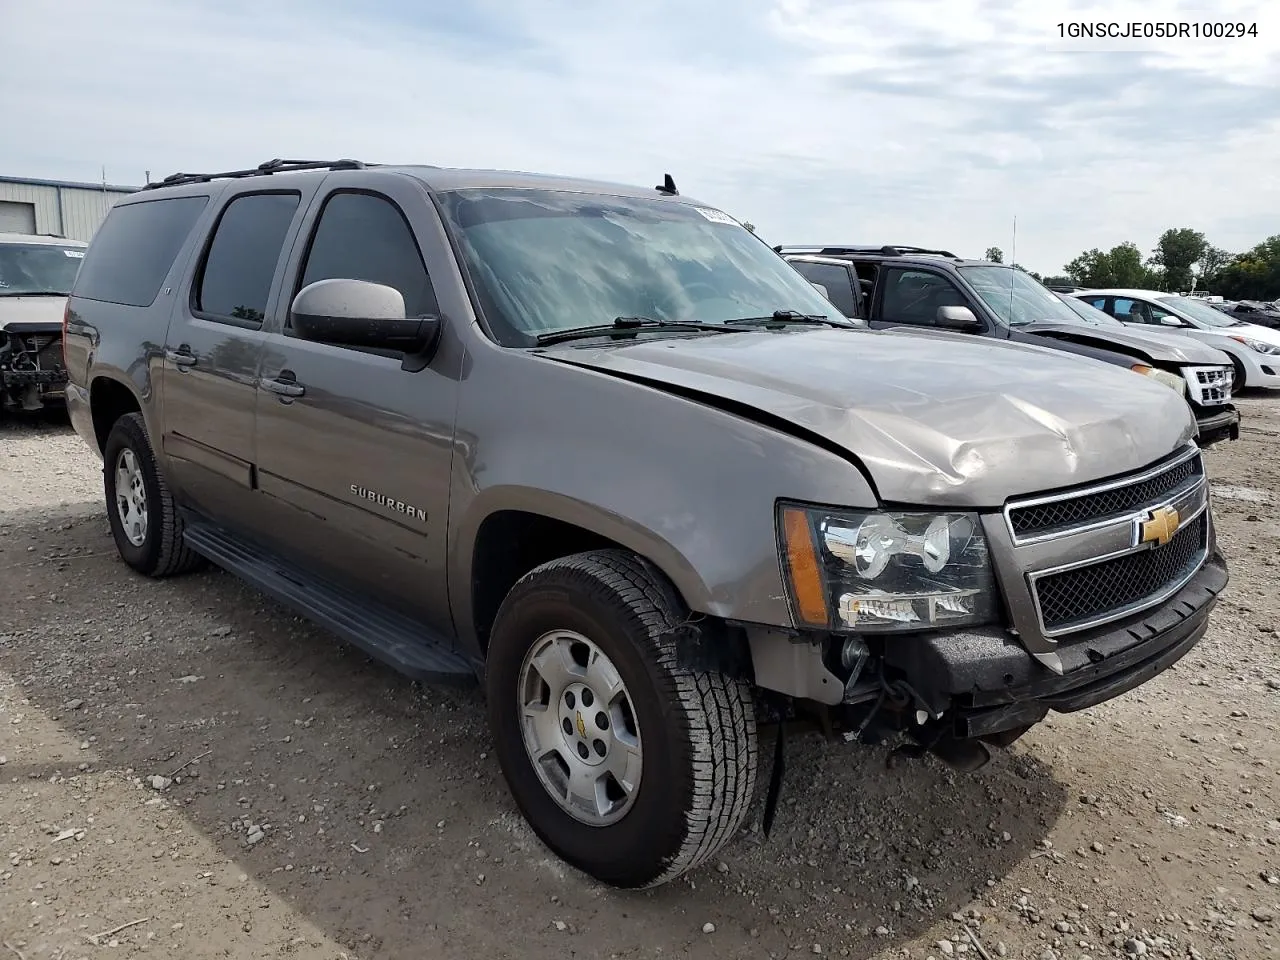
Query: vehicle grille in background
x: 1059, y: 515
x: 1210, y: 385
x: 1106, y: 589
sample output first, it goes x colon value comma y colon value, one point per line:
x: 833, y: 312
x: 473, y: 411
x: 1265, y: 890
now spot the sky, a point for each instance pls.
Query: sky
x: 926, y: 122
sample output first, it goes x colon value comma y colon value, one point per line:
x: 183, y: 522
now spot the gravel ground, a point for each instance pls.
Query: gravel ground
x: 186, y: 769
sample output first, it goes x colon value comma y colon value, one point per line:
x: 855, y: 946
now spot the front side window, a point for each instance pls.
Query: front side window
x: 547, y: 260
x: 38, y: 269
x: 915, y: 296
x: 242, y: 259
x: 1200, y: 312
x: 363, y: 236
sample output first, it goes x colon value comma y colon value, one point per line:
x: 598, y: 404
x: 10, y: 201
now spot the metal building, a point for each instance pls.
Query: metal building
x: 57, y: 207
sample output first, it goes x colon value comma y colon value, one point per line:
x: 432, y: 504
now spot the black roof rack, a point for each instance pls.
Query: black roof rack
x: 261, y: 170
x: 887, y: 250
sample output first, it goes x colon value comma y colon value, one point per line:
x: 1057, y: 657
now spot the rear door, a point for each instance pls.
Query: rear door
x: 354, y: 450
x: 213, y: 348
x: 836, y: 279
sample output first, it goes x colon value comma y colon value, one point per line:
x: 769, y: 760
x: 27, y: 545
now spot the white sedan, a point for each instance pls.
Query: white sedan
x: 1254, y: 350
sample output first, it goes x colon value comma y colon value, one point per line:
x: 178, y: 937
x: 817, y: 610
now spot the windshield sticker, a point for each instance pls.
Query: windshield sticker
x: 716, y: 216
x: 78, y: 254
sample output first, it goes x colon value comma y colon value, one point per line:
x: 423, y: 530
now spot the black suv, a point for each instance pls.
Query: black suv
x: 894, y: 286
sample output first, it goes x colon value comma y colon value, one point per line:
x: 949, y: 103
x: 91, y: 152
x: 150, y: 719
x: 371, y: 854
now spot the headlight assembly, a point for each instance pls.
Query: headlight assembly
x: 886, y: 571
x: 1170, y: 380
x: 1257, y: 345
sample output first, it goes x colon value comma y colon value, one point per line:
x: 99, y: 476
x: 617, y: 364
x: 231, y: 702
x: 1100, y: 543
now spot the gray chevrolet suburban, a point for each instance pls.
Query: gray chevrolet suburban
x: 604, y: 451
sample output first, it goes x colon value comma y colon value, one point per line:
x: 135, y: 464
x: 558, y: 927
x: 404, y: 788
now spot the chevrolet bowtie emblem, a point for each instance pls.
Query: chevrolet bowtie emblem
x: 582, y: 727
x: 1159, y: 526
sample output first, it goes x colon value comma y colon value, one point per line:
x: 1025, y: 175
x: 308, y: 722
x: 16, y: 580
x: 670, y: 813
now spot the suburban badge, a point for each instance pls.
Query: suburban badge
x: 399, y: 506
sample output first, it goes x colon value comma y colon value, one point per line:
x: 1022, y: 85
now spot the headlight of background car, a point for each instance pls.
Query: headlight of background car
x: 1257, y: 345
x: 875, y: 571
x: 1160, y: 376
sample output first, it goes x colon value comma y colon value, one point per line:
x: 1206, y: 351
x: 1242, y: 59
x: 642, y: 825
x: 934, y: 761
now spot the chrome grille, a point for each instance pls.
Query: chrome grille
x: 1075, y: 598
x: 1115, y: 500
x: 1210, y: 386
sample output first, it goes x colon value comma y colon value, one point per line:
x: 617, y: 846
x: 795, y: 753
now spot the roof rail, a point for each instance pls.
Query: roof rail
x: 261, y: 170
x: 887, y: 250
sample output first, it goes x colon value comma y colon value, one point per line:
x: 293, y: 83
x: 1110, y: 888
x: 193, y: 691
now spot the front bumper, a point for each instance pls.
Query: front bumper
x: 1217, y: 423
x: 987, y: 683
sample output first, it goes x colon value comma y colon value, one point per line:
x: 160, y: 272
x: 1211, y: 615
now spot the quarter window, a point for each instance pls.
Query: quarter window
x: 241, y: 263
x: 362, y: 236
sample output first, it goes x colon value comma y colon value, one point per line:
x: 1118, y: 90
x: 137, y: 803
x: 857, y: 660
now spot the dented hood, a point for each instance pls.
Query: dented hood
x: 1160, y: 347
x: 936, y: 419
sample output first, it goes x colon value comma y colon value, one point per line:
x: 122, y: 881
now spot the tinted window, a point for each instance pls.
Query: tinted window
x: 914, y: 296
x: 835, y: 279
x: 134, y: 248
x: 237, y: 273
x: 365, y: 237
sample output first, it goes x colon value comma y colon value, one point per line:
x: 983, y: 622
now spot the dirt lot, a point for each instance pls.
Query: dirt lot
x: 187, y: 770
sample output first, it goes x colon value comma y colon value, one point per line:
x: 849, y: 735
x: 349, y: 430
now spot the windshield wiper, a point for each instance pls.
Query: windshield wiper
x: 33, y: 293
x: 783, y: 317
x: 625, y: 325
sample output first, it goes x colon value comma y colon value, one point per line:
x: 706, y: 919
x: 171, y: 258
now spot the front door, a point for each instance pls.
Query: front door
x: 212, y: 351
x: 354, y: 449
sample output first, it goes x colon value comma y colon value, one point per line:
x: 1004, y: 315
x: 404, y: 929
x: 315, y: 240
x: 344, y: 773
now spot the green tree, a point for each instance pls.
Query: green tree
x: 1121, y: 266
x: 1212, y: 262
x: 1177, y: 251
x: 1252, y: 275
x: 1058, y: 282
x: 994, y: 254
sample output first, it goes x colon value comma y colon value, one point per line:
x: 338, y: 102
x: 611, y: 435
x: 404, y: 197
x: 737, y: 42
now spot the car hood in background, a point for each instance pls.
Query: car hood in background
x: 45, y: 311
x: 1163, y: 347
x: 935, y: 418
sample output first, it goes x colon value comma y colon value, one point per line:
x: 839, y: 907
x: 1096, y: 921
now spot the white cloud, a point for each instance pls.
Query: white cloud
x: 917, y: 121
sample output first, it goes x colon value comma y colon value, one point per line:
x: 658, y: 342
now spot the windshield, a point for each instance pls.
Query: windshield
x: 546, y: 260
x: 1088, y: 313
x: 38, y: 268
x: 1016, y: 296
x: 1200, y: 312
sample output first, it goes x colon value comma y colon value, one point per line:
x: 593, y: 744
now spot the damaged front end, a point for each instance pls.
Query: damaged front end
x: 32, y: 371
x: 964, y: 630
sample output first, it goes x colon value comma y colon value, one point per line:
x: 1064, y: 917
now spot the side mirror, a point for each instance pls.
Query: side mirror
x: 957, y: 318
x: 1170, y: 321
x: 357, y: 313
x: 820, y: 288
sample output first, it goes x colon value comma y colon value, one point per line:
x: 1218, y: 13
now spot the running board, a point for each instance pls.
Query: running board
x: 398, y: 641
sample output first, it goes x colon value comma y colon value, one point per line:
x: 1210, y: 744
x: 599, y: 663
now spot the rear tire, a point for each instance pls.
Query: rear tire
x: 144, y: 518
x: 596, y: 630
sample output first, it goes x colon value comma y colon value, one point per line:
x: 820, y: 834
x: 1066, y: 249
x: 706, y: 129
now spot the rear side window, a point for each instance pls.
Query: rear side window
x: 837, y: 282
x: 235, y: 279
x: 363, y: 236
x: 134, y: 248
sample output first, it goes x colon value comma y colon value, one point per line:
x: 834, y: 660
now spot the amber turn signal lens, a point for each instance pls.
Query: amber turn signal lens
x: 802, y: 565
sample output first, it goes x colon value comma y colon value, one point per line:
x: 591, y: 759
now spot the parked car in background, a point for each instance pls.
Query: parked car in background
x: 910, y: 286
x: 36, y: 274
x: 1262, y: 313
x: 602, y: 450
x: 1254, y: 349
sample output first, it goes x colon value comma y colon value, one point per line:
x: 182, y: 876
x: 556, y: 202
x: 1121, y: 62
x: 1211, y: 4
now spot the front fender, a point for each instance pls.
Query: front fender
x: 690, y: 487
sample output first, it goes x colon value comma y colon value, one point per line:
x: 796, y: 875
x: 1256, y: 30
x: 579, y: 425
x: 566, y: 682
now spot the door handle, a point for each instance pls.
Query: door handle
x: 283, y: 387
x: 182, y: 357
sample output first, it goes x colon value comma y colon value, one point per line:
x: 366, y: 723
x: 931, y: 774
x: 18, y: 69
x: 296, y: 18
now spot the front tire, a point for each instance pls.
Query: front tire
x: 144, y: 518
x: 629, y: 765
x: 1237, y: 376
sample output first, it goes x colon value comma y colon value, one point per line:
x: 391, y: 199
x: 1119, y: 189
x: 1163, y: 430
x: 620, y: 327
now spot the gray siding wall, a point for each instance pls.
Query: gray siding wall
x: 72, y: 211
